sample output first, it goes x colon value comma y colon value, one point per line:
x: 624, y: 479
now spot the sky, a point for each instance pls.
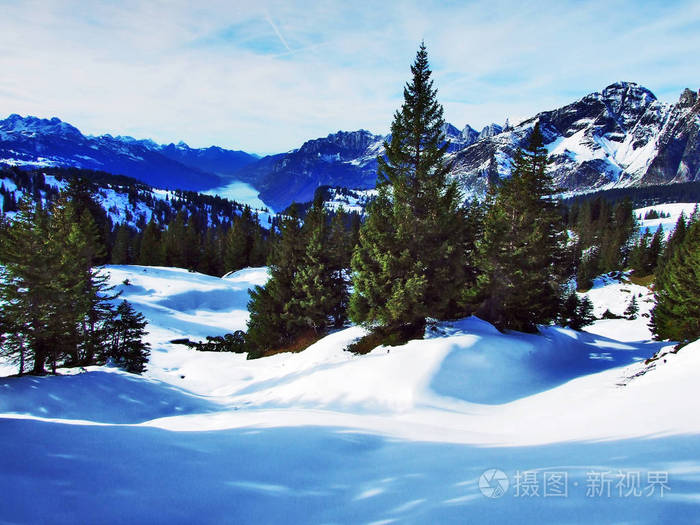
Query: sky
x: 265, y: 76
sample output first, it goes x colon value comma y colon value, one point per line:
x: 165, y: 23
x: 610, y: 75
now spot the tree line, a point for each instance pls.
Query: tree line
x: 57, y: 307
x: 420, y: 253
x: 186, y: 229
x: 676, y: 315
x: 189, y: 242
x: 642, y: 196
x: 515, y: 260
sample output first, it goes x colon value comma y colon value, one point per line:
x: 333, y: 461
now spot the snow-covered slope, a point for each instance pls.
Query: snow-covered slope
x: 402, y: 434
x: 352, y: 201
x: 672, y: 211
x: 136, y: 204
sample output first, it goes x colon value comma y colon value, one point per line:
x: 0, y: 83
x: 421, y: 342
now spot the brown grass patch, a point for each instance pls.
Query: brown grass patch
x: 643, y: 280
x: 300, y: 344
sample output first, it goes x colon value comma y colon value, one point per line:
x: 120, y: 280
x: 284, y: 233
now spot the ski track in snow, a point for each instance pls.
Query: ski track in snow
x: 401, y: 435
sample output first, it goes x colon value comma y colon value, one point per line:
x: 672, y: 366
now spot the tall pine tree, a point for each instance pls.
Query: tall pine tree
x: 270, y: 325
x: 28, y: 289
x: 319, y: 287
x: 408, y: 265
x: 522, y: 254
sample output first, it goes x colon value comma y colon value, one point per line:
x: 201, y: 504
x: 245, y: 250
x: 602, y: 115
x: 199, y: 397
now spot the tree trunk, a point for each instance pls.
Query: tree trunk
x: 21, y: 359
x: 39, y: 360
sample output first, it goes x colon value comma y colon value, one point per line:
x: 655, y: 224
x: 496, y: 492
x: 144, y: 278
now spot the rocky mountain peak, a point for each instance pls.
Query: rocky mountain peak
x: 469, y: 134
x: 450, y: 131
x: 31, y: 125
x: 490, y: 131
x: 344, y: 143
x: 688, y: 98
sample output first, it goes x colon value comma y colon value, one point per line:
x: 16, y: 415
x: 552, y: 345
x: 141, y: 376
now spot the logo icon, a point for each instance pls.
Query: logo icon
x: 493, y: 483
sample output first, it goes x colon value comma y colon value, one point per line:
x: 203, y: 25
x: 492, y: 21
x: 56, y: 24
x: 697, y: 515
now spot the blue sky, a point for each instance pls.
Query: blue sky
x: 266, y: 76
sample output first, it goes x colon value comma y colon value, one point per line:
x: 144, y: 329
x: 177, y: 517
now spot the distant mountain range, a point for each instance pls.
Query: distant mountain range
x: 31, y: 141
x: 622, y: 136
x: 619, y: 137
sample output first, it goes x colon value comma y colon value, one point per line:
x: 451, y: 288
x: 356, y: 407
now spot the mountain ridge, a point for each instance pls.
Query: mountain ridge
x: 35, y: 142
x: 617, y: 137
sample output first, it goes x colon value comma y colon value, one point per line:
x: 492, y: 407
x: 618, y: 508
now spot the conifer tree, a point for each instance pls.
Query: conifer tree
x: 587, y: 267
x: 84, y: 306
x: 312, y: 298
x: 121, y: 251
x: 191, y: 244
x: 79, y: 194
x: 618, y: 226
x: 632, y: 309
x: 211, y: 260
x: 639, y: 253
x: 28, y: 292
x: 674, y: 240
x: 576, y: 312
x: 676, y: 315
x: 239, y: 243
x: 407, y: 265
x: 260, y: 250
x: 56, y: 303
x: 656, y: 246
x: 522, y: 254
x: 125, y: 344
x: 644, y: 255
x: 173, y: 239
x: 319, y: 287
x: 339, y: 251
x: 472, y: 232
x: 151, y: 252
x: 269, y: 325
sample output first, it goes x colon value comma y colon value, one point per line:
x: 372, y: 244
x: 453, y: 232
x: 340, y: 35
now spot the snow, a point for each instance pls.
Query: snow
x: 578, y: 146
x: 615, y: 294
x: 39, y: 162
x: 350, y: 200
x: 115, y: 202
x: 667, y: 223
x: 54, y: 182
x: 400, y: 435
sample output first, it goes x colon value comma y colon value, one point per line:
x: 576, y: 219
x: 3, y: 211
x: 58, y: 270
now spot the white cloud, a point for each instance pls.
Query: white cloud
x: 266, y: 76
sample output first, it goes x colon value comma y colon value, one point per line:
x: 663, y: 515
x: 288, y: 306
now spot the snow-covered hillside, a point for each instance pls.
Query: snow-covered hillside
x: 401, y: 435
x: 134, y: 205
x: 668, y: 223
x: 352, y: 201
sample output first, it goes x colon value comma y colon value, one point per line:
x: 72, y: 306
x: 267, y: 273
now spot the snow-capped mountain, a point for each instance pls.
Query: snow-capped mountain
x: 343, y: 159
x: 220, y: 161
x: 32, y: 141
x: 622, y: 136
